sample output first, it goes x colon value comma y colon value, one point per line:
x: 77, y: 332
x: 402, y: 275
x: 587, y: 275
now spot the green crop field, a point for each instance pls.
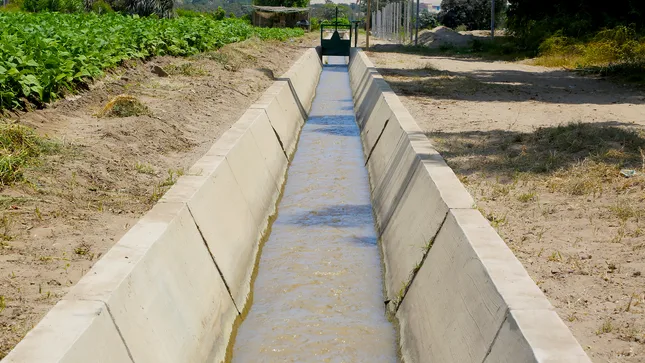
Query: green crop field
x: 44, y: 54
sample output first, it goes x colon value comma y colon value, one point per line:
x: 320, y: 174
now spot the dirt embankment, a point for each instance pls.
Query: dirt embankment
x: 107, y: 172
x: 542, y: 151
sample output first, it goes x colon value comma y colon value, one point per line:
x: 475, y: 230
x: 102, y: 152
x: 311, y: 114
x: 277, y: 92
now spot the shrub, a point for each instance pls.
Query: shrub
x: 620, y: 45
x: 219, y: 13
x: 343, y: 21
x: 101, y: 7
x: 315, y: 23
x: 427, y: 20
x: 62, y: 6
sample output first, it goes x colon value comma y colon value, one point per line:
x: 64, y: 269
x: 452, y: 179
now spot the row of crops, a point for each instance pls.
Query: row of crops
x: 44, y: 54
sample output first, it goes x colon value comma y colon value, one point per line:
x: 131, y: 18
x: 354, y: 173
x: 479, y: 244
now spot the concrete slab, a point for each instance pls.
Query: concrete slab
x: 462, y: 293
x: 384, y: 156
x: 231, y: 232
x: 412, y: 191
x: 163, y: 290
x: 304, y: 77
x: 406, y: 234
x: 535, y: 336
x: 284, y: 115
x: 73, y: 331
x: 270, y: 149
x: 372, y: 124
x: 253, y: 176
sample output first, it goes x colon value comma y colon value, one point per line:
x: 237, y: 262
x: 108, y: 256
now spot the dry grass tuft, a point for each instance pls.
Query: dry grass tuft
x: 234, y: 57
x: 576, y: 159
x: 19, y: 147
x: 124, y: 106
x: 188, y: 69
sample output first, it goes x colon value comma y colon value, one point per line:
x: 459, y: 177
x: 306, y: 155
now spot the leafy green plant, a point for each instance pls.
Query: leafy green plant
x: 44, y: 55
x: 343, y: 21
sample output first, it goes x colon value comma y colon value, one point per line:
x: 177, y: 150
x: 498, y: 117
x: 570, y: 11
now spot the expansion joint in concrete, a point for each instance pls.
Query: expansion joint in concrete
x: 118, y: 330
x: 277, y: 137
x: 415, y: 271
x: 376, y: 142
x: 492, y: 344
x: 301, y: 108
x: 213, y: 258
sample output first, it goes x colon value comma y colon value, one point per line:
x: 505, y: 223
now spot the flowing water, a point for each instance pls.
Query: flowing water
x: 318, y: 293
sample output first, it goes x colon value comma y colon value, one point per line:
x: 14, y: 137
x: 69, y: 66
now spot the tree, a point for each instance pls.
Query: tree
x: 328, y: 11
x: 427, y: 20
x: 474, y: 14
x: 533, y: 21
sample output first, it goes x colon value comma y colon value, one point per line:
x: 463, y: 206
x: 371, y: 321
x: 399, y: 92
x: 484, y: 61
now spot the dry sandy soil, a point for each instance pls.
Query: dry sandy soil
x: 107, y: 172
x: 541, y: 151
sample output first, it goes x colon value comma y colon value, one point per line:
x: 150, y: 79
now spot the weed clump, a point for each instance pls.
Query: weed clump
x: 124, y: 106
x: 185, y: 69
x: 19, y: 146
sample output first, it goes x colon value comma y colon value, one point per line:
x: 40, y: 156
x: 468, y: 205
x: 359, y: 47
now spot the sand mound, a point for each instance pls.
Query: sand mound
x: 443, y: 36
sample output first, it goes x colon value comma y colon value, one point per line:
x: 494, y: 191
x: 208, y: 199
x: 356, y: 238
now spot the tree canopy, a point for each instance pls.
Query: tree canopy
x: 474, y: 14
x: 576, y: 18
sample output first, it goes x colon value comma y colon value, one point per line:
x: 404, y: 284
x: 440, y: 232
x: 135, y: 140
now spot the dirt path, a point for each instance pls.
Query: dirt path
x: 541, y: 151
x: 107, y: 172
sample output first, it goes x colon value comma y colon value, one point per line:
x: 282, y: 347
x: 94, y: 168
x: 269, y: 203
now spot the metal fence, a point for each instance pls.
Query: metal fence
x: 394, y: 21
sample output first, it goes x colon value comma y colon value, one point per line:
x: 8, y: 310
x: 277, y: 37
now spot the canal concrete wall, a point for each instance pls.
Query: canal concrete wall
x: 458, y: 292
x: 172, y: 287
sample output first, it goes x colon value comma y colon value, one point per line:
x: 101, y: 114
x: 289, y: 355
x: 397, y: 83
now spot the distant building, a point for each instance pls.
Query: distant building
x: 280, y: 17
x: 433, y: 6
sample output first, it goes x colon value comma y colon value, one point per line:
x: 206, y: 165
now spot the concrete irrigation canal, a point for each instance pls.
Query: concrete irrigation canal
x: 371, y: 250
x: 318, y: 294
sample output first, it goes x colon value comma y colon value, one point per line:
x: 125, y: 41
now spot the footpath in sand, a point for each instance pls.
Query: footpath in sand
x: 107, y: 172
x: 541, y: 151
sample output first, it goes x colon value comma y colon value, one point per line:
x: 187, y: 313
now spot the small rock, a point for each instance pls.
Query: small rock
x: 159, y: 71
x: 636, y: 274
x: 585, y: 257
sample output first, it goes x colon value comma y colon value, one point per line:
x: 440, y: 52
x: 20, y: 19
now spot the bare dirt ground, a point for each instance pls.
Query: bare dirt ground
x: 107, y: 172
x: 542, y: 150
